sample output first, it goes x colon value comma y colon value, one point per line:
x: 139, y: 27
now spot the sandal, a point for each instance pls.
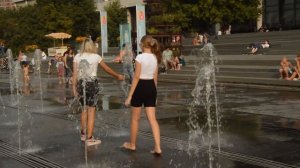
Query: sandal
x: 92, y: 141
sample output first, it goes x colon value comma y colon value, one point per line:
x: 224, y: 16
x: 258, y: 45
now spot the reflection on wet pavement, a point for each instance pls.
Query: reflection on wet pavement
x: 259, y: 124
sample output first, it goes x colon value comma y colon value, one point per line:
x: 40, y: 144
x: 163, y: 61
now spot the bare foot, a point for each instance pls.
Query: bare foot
x: 128, y: 146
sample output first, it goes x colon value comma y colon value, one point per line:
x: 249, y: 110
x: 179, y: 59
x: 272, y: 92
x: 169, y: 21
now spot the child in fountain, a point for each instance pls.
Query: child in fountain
x: 85, y: 86
x: 26, y: 78
x: 126, y: 56
x: 143, y: 92
x: 60, y: 66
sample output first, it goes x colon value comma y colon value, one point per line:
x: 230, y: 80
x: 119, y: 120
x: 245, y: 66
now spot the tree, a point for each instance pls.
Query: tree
x: 116, y: 15
x: 29, y: 25
x: 80, y: 17
x: 193, y: 13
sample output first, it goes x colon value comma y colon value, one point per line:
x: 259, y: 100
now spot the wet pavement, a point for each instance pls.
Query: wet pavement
x: 259, y: 128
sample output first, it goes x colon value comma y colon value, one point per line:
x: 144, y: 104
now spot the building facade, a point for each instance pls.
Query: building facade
x: 281, y: 14
x: 100, y: 4
x: 6, y: 4
x: 22, y: 3
x: 11, y: 4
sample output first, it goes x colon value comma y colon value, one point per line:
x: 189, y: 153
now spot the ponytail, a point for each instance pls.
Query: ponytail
x: 150, y: 42
x: 155, y: 49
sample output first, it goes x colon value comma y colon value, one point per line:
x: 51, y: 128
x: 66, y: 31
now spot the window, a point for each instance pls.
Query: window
x: 272, y: 13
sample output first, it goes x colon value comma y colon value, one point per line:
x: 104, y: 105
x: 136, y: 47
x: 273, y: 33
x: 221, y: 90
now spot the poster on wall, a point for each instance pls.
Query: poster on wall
x: 103, y: 21
x: 125, y: 35
x: 140, y: 24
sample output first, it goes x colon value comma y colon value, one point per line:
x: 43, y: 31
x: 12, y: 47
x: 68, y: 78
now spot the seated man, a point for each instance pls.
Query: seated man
x: 167, y: 57
x: 256, y: 46
x: 286, y: 69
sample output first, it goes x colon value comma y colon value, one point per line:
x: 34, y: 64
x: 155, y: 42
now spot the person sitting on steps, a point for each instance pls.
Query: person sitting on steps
x: 286, y: 69
x: 296, y: 73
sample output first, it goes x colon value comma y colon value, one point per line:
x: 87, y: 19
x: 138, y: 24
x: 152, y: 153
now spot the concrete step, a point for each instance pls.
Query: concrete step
x: 232, y: 79
x: 220, y: 68
x: 249, y: 74
x: 272, y: 74
x: 244, y: 62
x: 252, y: 37
x: 282, y: 42
x: 280, y: 34
x: 112, y: 51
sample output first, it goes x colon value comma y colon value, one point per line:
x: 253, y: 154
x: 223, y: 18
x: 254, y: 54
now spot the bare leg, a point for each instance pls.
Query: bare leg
x: 90, y: 120
x: 254, y: 50
x: 150, y: 111
x: 297, y: 72
x: 172, y: 65
x: 285, y: 73
x: 135, y: 119
x: 83, y: 120
x: 281, y: 73
x: 292, y: 76
x: 165, y: 62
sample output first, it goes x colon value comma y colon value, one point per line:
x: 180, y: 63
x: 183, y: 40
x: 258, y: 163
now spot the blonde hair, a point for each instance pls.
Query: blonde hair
x: 88, y: 46
x: 150, y: 42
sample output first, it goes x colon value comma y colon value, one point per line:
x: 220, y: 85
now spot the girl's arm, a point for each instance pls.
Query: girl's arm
x: 135, y: 81
x: 122, y: 53
x: 282, y: 64
x: 298, y: 64
x: 155, y: 76
x: 108, y: 70
x: 65, y: 61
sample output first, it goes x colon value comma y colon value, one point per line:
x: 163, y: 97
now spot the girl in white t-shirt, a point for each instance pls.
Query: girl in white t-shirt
x: 143, y: 92
x: 85, y: 65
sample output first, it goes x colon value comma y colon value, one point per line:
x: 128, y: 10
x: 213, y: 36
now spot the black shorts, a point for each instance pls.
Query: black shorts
x: 144, y: 94
x: 91, y: 92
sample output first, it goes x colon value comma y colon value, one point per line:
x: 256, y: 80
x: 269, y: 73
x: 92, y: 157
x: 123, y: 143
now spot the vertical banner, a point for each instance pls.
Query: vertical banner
x: 140, y: 24
x: 125, y: 34
x: 103, y: 21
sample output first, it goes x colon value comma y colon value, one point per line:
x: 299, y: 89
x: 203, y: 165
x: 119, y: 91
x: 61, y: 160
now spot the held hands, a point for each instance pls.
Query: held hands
x: 127, y: 101
x: 120, y: 77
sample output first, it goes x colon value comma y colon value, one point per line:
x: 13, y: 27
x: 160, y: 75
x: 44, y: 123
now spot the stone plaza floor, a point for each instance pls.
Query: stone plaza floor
x: 259, y: 128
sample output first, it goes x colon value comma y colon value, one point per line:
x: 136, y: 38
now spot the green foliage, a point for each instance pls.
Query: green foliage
x: 190, y: 14
x: 30, y: 24
x: 116, y: 15
x: 152, y: 30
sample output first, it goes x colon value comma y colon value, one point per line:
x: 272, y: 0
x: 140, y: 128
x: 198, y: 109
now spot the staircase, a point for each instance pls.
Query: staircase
x: 282, y: 43
x: 235, y: 67
x: 246, y: 70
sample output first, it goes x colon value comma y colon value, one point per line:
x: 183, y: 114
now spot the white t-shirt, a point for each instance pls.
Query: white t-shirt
x: 148, y: 65
x: 167, y: 55
x: 44, y: 56
x: 87, y: 64
x: 265, y: 45
x: 24, y: 57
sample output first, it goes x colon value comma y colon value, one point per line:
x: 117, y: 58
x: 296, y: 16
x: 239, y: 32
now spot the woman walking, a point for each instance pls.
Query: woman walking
x: 143, y: 92
x: 85, y: 87
x: 68, y: 60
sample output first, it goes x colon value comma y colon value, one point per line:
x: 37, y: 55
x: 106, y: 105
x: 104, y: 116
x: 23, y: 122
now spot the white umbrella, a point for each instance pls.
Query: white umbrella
x: 59, y: 35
